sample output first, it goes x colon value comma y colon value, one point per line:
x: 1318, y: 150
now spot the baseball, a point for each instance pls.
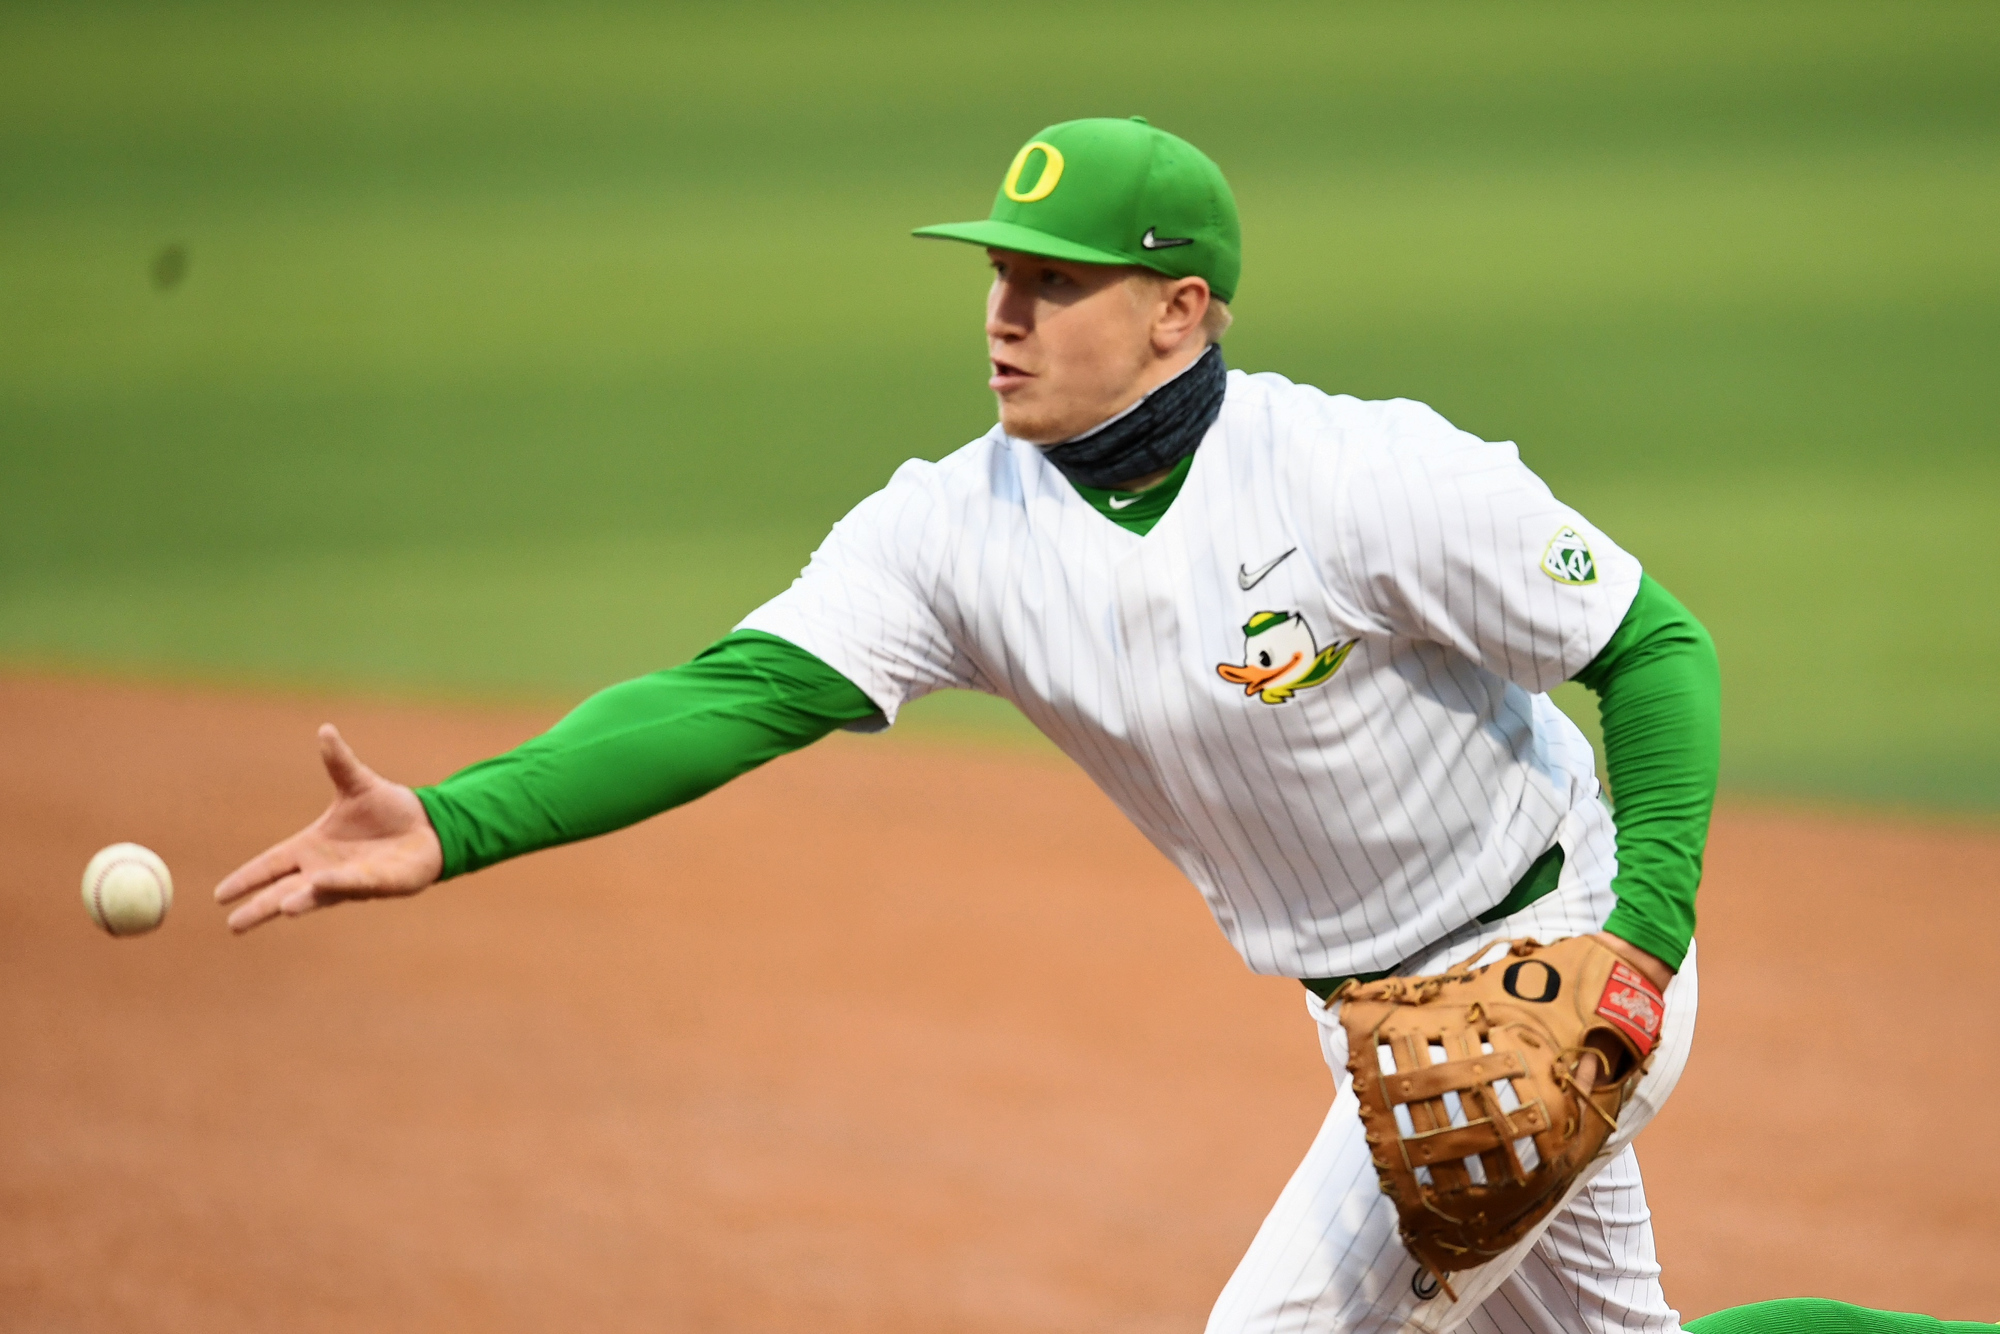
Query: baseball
x: 127, y: 889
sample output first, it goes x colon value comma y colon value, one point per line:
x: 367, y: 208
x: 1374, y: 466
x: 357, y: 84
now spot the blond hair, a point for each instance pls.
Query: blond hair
x: 1216, y: 320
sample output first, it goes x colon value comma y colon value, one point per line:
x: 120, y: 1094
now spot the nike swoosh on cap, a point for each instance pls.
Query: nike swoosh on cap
x: 1115, y: 503
x: 1152, y: 242
x: 1246, y: 580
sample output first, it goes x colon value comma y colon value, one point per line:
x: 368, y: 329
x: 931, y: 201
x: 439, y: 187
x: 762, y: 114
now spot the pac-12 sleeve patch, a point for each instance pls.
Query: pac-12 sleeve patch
x: 1567, y: 559
x: 1634, y: 1005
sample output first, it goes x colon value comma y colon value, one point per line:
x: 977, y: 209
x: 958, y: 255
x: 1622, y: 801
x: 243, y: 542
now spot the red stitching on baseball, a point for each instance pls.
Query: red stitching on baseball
x: 97, y: 890
x: 97, y: 902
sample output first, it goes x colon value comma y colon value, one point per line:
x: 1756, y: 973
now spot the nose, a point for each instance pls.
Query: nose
x: 1009, y: 311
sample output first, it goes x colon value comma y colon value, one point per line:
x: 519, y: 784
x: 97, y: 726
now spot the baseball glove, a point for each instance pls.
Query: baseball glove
x: 1468, y: 1092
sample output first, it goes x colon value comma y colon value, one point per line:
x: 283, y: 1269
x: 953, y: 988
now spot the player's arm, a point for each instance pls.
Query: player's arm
x: 624, y: 754
x: 641, y: 748
x: 1446, y: 537
x: 1659, y: 692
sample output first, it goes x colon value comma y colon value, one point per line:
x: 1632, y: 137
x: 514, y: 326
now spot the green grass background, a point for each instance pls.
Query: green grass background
x: 525, y: 348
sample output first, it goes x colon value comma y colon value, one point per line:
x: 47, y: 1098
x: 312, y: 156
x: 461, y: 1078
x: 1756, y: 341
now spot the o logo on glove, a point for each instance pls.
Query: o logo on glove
x: 1045, y: 184
x: 1552, y: 983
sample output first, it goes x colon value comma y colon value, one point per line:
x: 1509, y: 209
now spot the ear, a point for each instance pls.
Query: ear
x: 1177, y: 317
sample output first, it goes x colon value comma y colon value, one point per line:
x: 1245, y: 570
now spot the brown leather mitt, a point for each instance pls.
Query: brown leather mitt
x: 1481, y: 1128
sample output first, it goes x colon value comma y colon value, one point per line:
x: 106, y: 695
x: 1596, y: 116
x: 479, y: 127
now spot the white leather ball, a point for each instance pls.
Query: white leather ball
x: 127, y: 889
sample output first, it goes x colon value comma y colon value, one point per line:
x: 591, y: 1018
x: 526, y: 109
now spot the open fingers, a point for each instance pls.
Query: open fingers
x: 272, y: 864
x: 269, y: 902
x: 282, y: 859
x: 293, y: 896
x: 301, y: 892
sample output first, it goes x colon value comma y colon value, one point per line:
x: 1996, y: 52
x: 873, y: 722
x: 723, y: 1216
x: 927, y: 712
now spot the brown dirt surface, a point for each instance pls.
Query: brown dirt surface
x: 885, y: 1037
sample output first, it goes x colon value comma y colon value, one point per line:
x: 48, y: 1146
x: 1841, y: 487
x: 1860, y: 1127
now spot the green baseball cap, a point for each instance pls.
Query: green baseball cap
x: 1106, y: 191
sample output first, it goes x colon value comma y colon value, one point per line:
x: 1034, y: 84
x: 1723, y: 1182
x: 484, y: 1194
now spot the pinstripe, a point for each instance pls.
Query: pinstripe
x: 1327, y: 1260
x: 1342, y: 830
x: 1361, y: 824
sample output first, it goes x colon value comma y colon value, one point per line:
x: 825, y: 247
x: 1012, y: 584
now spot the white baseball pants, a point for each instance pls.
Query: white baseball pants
x: 1327, y: 1259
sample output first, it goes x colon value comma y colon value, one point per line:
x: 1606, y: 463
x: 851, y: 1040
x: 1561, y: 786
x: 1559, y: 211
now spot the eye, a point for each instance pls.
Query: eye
x: 1053, y: 279
x: 1263, y: 659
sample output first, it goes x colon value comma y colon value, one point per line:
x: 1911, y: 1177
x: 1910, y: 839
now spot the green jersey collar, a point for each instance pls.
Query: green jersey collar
x: 1138, y: 511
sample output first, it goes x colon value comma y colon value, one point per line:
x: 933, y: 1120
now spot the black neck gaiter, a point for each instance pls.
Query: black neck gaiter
x: 1160, y: 432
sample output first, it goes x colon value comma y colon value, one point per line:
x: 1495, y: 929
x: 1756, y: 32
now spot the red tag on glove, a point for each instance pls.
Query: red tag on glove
x: 1635, y: 1006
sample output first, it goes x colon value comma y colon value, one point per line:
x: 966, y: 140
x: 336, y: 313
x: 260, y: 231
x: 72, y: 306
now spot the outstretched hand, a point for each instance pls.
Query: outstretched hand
x: 374, y: 841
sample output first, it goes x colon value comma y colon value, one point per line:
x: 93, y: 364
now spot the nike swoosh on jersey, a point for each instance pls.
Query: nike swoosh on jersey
x: 1152, y: 242
x: 1115, y: 503
x: 1246, y: 580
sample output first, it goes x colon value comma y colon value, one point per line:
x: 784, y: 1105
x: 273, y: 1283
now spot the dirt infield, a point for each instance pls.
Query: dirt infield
x: 886, y: 1037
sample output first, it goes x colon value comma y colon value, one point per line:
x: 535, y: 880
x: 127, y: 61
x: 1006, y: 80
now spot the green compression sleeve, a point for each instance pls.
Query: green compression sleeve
x: 1817, y: 1315
x: 1660, y: 696
x: 640, y: 748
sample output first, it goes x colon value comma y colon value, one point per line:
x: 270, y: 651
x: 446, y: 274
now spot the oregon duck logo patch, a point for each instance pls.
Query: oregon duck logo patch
x: 1280, y: 657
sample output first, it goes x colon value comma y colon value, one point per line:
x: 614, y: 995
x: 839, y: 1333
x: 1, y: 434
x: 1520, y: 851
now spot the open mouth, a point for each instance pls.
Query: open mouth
x: 1007, y: 376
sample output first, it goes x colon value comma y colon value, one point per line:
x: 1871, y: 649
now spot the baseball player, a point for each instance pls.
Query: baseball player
x: 1303, y: 641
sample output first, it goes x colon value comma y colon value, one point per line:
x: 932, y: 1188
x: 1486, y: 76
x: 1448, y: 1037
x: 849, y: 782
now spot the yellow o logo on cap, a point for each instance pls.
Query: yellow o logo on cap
x: 1052, y: 167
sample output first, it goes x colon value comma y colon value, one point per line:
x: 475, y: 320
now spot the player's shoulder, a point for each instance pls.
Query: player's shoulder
x: 1316, y: 428
x: 905, y: 522
x: 984, y: 471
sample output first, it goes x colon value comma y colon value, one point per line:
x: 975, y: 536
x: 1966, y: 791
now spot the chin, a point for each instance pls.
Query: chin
x: 1037, y: 426
x: 1029, y: 426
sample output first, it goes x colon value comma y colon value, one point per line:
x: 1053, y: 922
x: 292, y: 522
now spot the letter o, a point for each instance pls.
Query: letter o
x: 1552, y: 982
x: 1052, y: 170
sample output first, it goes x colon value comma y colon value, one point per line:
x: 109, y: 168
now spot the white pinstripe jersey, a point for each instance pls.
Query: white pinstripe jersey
x: 1351, y: 757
